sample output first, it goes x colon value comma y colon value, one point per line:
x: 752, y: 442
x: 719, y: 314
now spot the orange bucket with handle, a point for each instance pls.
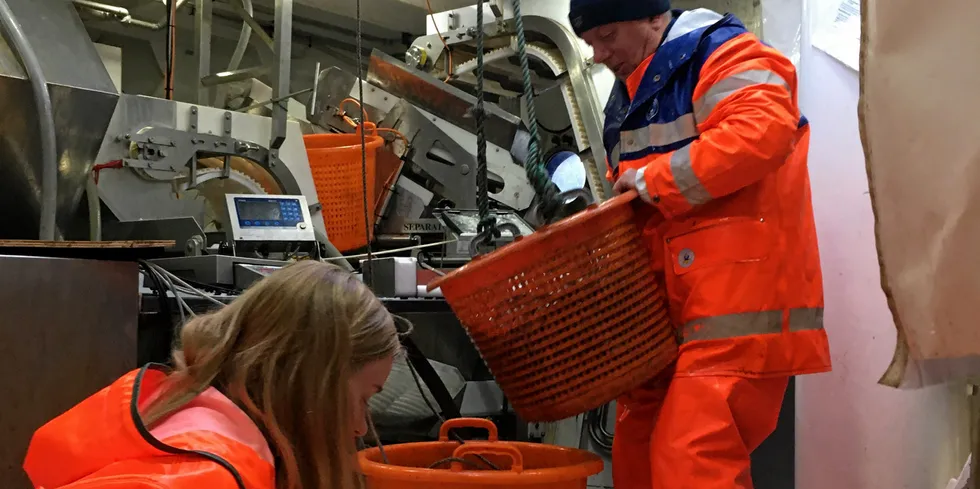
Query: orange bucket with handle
x: 338, y: 175
x: 491, y: 464
x: 570, y: 317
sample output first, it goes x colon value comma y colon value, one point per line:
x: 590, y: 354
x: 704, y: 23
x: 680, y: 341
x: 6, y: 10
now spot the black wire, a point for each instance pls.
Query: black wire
x: 211, y: 287
x: 453, y: 435
x: 418, y: 384
x: 595, y: 420
x: 545, y: 128
x: 160, y: 292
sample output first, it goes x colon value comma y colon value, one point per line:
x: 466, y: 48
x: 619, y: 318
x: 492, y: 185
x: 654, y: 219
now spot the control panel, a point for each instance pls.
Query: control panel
x: 269, y: 218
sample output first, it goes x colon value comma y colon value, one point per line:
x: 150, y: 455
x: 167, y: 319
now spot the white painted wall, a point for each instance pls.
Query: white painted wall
x: 851, y: 432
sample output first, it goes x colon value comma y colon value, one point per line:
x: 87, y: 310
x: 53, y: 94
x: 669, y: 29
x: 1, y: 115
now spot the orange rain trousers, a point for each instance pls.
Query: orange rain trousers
x: 697, y: 433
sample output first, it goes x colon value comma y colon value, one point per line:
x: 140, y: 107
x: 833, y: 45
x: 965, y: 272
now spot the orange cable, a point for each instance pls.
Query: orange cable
x: 389, y: 187
x: 449, y: 52
x: 364, y: 114
x: 395, y: 132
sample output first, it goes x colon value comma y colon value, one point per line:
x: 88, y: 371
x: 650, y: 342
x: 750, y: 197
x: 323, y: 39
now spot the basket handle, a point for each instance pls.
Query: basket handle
x: 369, y: 128
x: 453, y: 424
x: 488, y: 448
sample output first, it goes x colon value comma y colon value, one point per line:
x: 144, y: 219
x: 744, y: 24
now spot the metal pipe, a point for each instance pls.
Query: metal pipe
x: 226, y: 77
x: 276, y: 100
x: 221, y: 99
x: 42, y: 98
x: 202, y: 37
x: 316, y: 86
x: 254, y: 24
x: 112, y: 9
x: 331, y: 253
x: 280, y: 72
x: 243, y: 38
x: 596, y: 421
x: 128, y: 20
x: 171, y: 48
x: 124, y: 15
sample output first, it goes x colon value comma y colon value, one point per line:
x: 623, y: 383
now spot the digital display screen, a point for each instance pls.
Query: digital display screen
x: 259, y: 210
x: 265, y: 212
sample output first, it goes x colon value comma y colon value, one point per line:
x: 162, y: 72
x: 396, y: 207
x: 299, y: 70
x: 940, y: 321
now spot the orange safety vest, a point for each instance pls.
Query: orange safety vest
x: 103, y: 443
x: 712, y: 125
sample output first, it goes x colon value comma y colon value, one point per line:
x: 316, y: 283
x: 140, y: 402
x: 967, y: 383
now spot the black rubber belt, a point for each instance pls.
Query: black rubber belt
x: 431, y: 379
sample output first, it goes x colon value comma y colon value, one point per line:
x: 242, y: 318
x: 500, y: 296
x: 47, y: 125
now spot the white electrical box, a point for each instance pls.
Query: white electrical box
x: 269, y: 218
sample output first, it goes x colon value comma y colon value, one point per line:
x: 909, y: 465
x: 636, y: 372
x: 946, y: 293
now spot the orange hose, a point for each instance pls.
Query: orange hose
x: 389, y: 182
x: 364, y: 114
x: 387, y: 187
x: 395, y: 132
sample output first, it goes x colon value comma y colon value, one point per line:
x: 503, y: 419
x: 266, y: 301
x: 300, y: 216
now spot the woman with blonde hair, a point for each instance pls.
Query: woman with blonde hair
x: 269, y: 392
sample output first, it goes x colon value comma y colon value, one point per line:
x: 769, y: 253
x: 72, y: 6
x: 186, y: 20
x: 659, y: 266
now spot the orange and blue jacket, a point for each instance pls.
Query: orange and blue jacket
x: 102, y: 443
x: 711, y: 123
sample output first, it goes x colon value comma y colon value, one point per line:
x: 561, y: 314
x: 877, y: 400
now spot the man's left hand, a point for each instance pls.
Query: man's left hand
x: 626, y: 182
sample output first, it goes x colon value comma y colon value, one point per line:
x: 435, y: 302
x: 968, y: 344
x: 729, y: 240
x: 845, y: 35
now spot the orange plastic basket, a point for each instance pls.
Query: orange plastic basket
x: 525, y: 465
x: 335, y: 162
x: 570, y: 317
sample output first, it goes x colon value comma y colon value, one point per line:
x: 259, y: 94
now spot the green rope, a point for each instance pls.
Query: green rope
x: 536, y: 171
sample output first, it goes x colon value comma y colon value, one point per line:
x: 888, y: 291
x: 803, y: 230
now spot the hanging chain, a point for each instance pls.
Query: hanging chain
x: 488, y: 222
x: 368, y: 277
x: 536, y: 171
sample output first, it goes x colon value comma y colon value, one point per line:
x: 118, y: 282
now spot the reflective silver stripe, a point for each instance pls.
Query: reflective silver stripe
x: 686, y: 180
x: 690, y: 21
x: 806, y: 319
x: 641, y: 187
x: 750, y: 323
x: 659, y: 134
x: 729, y: 85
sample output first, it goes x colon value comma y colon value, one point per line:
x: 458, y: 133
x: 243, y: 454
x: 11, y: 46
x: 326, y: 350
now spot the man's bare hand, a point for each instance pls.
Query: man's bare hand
x: 626, y: 182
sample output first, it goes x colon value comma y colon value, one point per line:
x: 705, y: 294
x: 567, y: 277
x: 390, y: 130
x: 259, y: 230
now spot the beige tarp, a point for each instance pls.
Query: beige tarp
x: 920, y: 122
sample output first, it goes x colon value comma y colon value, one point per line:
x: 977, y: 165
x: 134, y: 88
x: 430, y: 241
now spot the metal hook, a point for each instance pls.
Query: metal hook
x: 483, y: 242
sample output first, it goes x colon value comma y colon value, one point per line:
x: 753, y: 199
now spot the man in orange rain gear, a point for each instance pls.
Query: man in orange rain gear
x: 705, y: 125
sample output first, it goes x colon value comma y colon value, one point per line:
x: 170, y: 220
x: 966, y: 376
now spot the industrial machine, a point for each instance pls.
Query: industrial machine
x: 229, y: 180
x: 429, y: 100
x: 233, y: 188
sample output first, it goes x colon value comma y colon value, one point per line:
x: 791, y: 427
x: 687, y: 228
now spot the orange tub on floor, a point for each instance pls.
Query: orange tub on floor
x: 491, y: 464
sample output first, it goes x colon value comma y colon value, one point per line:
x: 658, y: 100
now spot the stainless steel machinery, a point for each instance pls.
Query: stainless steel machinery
x: 82, y: 99
x: 430, y: 103
x: 170, y: 161
x: 565, y: 91
x: 188, y: 172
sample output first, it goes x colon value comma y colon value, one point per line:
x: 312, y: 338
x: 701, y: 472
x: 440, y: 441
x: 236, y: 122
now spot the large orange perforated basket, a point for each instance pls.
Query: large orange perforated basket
x: 338, y: 174
x: 570, y: 317
x: 446, y: 464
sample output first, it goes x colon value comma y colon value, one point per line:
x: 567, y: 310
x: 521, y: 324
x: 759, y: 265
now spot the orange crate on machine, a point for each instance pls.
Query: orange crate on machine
x: 448, y: 464
x: 338, y: 174
x: 570, y: 317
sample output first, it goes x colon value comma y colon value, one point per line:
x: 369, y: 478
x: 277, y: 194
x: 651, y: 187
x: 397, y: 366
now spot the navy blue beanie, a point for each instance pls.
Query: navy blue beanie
x: 586, y: 15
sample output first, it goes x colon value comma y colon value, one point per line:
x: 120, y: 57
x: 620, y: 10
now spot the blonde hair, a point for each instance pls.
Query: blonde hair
x: 284, y: 351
